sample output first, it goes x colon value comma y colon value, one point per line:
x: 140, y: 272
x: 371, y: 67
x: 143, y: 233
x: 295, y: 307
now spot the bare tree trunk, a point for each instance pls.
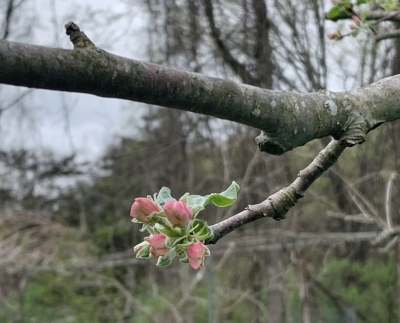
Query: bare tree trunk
x: 276, y: 296
x: 306, y: 308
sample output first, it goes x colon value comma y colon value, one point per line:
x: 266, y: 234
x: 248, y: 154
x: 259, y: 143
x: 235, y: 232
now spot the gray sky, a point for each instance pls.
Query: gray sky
x: 67, y: 122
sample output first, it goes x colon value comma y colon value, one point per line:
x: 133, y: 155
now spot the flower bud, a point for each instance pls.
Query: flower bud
x: 334, y: 35
x: 178, y: 213
x: 142, y: 208
x: 356, y: 19
x: 352, y: 26
x: 157, y: 245
x: 195, y: 253
x: 331, y: 35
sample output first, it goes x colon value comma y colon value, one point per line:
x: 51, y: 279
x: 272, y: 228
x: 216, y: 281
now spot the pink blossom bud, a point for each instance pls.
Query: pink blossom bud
x: 178, y: 213
x: 157, y: 245
x: 352, y: 26
x: 331, y: 35
x: 195, y: 254
x: 142, y: 208
x: 356, y: 19
x: 336, y: 36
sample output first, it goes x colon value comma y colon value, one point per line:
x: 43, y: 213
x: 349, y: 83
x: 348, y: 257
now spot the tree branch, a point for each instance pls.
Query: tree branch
x: 288, y: 119
x: 277, y: 205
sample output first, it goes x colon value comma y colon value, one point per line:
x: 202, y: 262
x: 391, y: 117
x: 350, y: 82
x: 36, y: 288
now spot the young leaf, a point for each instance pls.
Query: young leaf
x: 333, y: 13
x: 166, y: 260
x: 184, y: 198
x: 164, y: 195
x: 222, y: 199
x: 201, y: 230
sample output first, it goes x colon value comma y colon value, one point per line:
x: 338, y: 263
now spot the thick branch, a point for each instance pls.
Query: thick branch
x: 288, y: 119
x: 277, y: 205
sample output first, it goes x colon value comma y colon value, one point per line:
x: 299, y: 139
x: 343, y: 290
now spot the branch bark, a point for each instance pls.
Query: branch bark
x: 288, y: 119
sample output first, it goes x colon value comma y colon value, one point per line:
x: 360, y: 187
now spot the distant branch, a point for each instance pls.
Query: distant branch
x: 388, y: 35
x: 239, y: 68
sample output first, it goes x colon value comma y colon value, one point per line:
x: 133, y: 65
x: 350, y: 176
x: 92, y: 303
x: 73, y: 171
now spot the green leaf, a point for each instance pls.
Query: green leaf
x: 195, y: 200
x: 166, y: 260
x: 168, y: 231
x: 164, y: 195
x: 163, y: 262
x: 225, y: 198
x: 333, y: 13
x: 184, y: 198
x: 201, y: 231
x: 344, y: 4
x: 360, y: 2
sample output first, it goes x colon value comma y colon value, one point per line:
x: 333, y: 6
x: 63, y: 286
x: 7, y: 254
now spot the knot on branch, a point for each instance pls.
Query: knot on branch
x: 78, y: 37
x: 268, y: 145
x: 355, y: 131
x: 282, y: 202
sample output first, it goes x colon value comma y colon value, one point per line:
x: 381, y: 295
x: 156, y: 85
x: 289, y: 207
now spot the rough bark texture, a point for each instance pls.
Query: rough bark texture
x: 288, y: 119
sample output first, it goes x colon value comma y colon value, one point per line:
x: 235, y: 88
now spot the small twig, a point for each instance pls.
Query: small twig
x: 387, y: 17
x: 230, y: 308
x: 388, y: 210
x: 375, y: 217
x: 357, y: 193
x: 389, y: 245
x: 18, y: 99
x: 360, y: 218
x: 226, y: 255
x: 386, y: 234
x: 78, y: 37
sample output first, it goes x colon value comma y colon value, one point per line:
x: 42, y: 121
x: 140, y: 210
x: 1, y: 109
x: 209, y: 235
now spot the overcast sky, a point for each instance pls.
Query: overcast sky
x: 68, y: 122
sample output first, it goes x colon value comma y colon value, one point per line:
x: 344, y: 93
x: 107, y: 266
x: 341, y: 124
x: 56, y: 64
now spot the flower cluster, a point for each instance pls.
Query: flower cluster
x: 346, y: 9
x: 173, y: 225
x: 173, y: 232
